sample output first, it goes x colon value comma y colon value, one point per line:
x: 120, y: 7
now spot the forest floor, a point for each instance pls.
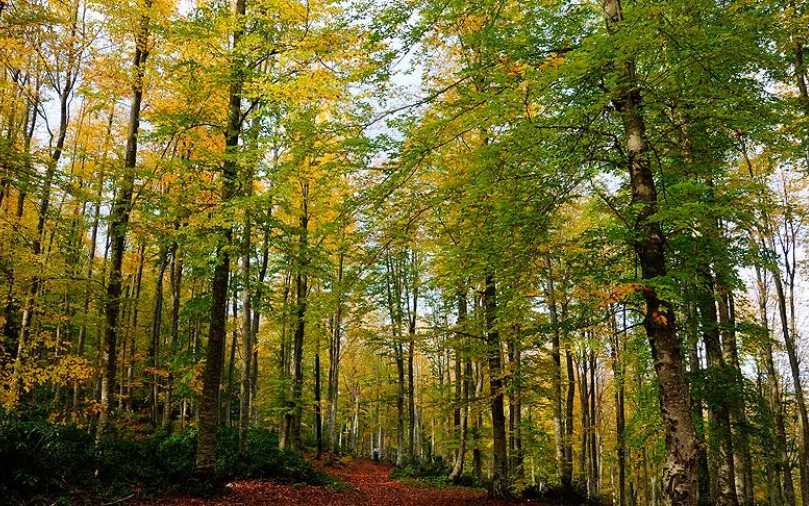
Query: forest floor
x: 362, y: 483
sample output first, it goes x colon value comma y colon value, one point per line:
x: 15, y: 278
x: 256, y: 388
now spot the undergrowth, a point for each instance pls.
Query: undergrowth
x: 43, y: 463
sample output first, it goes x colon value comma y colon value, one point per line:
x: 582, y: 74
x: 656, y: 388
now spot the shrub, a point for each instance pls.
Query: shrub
x: 434, y: 471
x: 39, y: 460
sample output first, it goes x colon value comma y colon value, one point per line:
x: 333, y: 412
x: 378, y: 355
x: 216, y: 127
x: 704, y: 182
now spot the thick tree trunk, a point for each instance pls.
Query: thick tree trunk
x: 679, y: 471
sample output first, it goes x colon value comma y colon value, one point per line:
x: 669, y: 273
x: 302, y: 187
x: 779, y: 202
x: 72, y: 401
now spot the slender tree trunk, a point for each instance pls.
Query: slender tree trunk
x: 134, y: 304
x: 411, y: 388
x: 618, y: 344
x: 247, y: 333
x: 462, y: 388
x: 515, y: 405
x: 119, y: 222
x: 584, y: 401
x: 318, y: 415
x: 212, y: 375
x: 154, y: 346
x: 785, y: 464
x: 334, y: 358
x: 231, y: 362
x: 704, y: 488
x: 569, y: 405
x: 301, y: 289
x: 499, y: 487
x: 787, y: 331
x: 175, y: 285
x: 556, y: 375
x: 721, y: 436
x: 477, y: 421
x: 400, y: 404
x: 738, y: 417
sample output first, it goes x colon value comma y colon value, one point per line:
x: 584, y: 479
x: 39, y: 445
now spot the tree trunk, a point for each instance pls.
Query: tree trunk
x: 318, y: 415
x: 301, y: 291
x: 212, y: 374
x: 400, y: 404
x: 154, y: 343
x: 788, y: 332
x: 618, y: 344
x: 477, y: 452
x: 738, y: 414
x: 175, y: 285
x: 679, y: 471
x: 515, y: 406
x: 720, y: 435
x: 334, y: 358
x: 704, y: 489
x: 119, y: 222
x: 462, y: 388
x: 567, y: 475
x: 247, y: 334
x: 784, y: 464
x: 411, y: 388
x: 499, y: 487
x: 556, y: 375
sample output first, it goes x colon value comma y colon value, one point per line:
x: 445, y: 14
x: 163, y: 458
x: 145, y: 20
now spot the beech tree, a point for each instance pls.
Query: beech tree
x: 531, y: 244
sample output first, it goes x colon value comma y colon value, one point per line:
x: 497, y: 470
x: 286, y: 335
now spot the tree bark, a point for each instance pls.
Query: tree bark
x: 499, y: 486
x: 783, y: 465
x: 556, y: 375
x: 334, y: 357
x: 462, y: 388
x: 175, y: 285
x: 119, y: 222
x: 212, y: 374
x: 679, y: 471
x: 154, y: 343
x: 720, y: 434
x: 301, y: 292
x: 247, y: 333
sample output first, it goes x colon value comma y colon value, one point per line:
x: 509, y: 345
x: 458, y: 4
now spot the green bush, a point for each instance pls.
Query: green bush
x: 39, y: 460
x: 435, y: 471
x: 263, y: 459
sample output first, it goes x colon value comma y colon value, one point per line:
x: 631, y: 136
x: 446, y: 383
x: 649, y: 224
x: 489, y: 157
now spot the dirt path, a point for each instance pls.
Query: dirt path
x: 365, y: 483
x: 374, y: 487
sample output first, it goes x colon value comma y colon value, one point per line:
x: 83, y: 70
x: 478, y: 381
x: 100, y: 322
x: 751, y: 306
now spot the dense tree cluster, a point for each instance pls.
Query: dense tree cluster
x: 545, y: 243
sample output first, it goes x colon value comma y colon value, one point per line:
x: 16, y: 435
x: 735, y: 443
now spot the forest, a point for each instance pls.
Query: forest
x: 531, y: 246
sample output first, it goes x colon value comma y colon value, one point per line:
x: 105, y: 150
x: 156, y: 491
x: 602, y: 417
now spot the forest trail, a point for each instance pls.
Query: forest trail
x: 365, y: 483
